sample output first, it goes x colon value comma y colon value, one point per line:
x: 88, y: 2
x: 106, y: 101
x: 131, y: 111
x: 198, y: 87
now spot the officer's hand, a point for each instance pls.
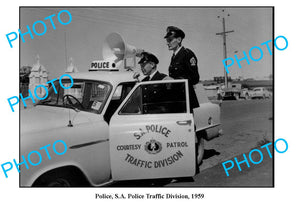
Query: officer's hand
x: 136, y: 76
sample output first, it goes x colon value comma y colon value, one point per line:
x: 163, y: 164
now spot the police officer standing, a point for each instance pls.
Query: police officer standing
x: 183, y: 62
x: 184, y: 66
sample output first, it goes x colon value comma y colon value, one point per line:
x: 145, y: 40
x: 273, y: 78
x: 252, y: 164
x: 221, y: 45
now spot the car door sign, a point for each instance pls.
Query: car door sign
x: 128, y: 147
x: 152, y: 128
x: 152, y: 147
x: 156, y: 163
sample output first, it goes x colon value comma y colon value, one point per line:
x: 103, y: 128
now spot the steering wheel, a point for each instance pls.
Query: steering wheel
x: 68, y: 97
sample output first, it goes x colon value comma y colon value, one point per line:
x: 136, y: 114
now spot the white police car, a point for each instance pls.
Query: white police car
x: 116, y: 129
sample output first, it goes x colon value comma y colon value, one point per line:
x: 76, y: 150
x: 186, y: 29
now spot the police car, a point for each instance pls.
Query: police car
x: 116, y: 131
x: 116, y: 128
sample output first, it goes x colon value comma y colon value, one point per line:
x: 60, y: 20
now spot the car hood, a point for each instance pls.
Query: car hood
x: 42, y: 118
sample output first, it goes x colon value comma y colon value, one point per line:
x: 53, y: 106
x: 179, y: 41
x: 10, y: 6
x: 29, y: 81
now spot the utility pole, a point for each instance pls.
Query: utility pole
x: 66, y: 57
x: 224, y: 45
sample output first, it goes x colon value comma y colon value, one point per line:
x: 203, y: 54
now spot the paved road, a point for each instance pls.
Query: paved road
x: 260, y: 175
x: 244, y: 123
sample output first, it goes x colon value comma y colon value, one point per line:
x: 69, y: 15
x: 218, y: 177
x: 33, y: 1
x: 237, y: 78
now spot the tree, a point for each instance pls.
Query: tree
x: 24, y: 74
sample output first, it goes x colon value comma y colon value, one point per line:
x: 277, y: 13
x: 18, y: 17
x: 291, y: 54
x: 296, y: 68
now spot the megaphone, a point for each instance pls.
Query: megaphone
x: 116, y: 50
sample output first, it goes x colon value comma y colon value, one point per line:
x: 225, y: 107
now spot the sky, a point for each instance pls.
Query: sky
x: 82, y: 39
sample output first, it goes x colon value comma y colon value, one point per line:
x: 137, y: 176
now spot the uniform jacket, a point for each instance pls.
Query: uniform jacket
x: 157, y: 76
x: 154, y: 97
x: 184, y: 66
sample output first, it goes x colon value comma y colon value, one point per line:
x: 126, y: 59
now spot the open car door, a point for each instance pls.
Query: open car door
x: 152, y: 133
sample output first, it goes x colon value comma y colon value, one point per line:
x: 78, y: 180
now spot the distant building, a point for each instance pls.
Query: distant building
x: 71, y: 68
x: 221, y: 79
x: 38, y: 76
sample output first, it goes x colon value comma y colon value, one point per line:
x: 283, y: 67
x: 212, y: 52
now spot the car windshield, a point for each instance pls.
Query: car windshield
x: 257, y: 89
x: 84, y: 95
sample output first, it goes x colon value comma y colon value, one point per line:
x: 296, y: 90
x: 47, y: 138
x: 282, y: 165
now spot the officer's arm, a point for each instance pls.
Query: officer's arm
x: 191, y: 62
x: 168, y: 78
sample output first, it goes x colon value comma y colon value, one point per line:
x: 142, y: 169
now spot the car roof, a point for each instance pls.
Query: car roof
x: 113, y: 77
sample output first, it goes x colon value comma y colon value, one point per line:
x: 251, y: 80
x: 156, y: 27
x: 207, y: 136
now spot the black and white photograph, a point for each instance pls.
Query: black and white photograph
x: 161, y: 106
x: 146, y: 96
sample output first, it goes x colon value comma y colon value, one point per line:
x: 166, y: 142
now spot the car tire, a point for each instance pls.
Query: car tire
x: 199, y: 150
x: 247, y: 96
x: 57, y: 179
x: 59, y: 182
x: 236, y: 96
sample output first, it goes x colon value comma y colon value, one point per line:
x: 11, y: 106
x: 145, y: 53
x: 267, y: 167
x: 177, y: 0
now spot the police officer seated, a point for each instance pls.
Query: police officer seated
x: 158, y: 98
x: 148, y: 65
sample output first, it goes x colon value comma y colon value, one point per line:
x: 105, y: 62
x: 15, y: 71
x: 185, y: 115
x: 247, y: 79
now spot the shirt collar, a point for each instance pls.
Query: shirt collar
x: 175, y: 53
x: 151, y: 76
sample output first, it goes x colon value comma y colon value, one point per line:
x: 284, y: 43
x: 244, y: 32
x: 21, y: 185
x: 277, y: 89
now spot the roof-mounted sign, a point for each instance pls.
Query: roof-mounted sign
x: 104, y: 65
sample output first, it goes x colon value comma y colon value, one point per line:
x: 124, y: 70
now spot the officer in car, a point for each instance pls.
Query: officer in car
x: 148, y: 65
x: 153, y: 94
x: 183, y: 62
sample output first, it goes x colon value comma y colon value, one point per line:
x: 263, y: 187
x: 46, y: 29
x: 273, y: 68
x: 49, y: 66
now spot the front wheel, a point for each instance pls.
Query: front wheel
x: 57, y: 179
x: 236, y: 96
x: 59, y: 182
x: 247, y: 96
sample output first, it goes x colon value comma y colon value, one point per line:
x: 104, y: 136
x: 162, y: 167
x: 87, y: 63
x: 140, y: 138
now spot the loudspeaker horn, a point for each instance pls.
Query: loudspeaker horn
x: 116, y: 50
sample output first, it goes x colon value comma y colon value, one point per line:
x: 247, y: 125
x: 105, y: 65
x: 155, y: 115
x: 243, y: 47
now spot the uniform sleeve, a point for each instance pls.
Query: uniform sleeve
x: 168, y: 78
x: 191, y: 63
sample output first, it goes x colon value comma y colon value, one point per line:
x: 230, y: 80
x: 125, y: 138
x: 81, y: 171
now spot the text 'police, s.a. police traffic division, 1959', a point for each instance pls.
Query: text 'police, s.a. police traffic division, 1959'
x: 157, y: 196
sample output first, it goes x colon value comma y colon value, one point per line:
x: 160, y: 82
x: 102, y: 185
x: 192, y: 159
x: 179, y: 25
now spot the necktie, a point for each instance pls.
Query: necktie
x: 147, y: 78
x: 173, y: 56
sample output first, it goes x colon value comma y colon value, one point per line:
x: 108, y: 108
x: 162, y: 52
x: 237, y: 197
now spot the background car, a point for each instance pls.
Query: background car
x: 260, y: 92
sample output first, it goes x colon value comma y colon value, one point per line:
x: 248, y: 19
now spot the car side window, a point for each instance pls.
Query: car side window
x: 119, y: 95
x: 122, y: 91
x: 157, y: 98
x: 95, y: 95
